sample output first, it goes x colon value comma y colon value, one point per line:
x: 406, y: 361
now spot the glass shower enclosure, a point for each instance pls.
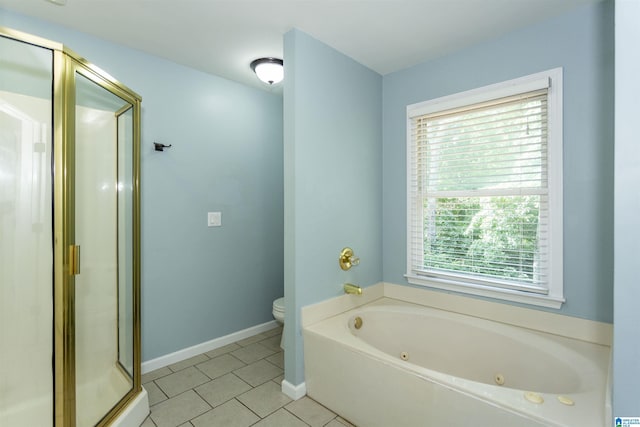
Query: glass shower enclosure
x: 69, y: 238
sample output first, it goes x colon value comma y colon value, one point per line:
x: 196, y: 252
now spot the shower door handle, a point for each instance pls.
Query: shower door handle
x: 74, y: 260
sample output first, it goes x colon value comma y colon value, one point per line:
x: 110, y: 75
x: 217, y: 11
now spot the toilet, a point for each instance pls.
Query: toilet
x: 278, y: 314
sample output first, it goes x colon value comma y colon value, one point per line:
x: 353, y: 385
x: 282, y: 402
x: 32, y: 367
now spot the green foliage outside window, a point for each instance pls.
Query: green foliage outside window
x: 487, y: 236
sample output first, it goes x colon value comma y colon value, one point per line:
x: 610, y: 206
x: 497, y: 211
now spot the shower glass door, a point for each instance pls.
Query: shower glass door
x: 69, y: 238
x: 104, y: 290
x: 26, y: 256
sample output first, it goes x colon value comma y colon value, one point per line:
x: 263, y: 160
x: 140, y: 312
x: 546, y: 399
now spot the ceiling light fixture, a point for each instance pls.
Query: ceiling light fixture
x: 269, y: 70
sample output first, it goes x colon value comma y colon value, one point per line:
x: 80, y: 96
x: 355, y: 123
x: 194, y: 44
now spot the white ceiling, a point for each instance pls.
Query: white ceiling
x: 223, y: 36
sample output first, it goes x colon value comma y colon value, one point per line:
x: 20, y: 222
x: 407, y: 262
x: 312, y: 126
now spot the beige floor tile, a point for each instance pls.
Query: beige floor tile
x: 275, y: 331
x: 181, y: 381
x: 310, y: 411
x: 264, y: 399
x: 277, y: 359
x: 215, y: 389
x: 345, y: 422
x: 179, y: 409
x: 258, y: 372
x: 153, y: 375
x: 252, y: 353
x: 230, y: 414
x: 281, y: 418
x: 223, y: 388
x: 251, y: 340
x: 272, y: 343
x: 335, y: 423
x: 222, y: 350
x: 188, y: 362
x: 220, y: 366
x: 155, y: 394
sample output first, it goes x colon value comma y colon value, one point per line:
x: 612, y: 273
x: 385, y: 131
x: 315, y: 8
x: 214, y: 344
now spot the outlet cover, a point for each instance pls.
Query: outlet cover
x: 214, y: 219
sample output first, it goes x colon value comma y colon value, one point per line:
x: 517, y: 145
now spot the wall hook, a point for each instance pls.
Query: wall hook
x: 160, y: 147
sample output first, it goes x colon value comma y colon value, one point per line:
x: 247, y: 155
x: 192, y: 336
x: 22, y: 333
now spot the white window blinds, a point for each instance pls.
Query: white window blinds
x: 479, y: 193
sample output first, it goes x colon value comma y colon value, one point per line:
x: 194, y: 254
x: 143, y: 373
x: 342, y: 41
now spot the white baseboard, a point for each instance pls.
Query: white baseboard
x: 295, y: 392
x: 180, y: 355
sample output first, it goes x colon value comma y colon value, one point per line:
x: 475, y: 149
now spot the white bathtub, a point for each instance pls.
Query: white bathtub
x: 411, y: 365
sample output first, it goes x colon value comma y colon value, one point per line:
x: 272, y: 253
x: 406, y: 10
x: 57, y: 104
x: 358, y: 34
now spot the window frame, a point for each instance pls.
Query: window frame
x: 555, y: 292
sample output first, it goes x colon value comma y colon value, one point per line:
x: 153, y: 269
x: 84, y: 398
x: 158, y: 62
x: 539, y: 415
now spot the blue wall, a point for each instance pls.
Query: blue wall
x: 198, y: 283
x: 582, y: 43
x: 332, y: 144
x: 626, y: 361
x: 344, y: 174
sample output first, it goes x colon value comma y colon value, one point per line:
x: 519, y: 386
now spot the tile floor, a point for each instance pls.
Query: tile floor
x: 237, y: 385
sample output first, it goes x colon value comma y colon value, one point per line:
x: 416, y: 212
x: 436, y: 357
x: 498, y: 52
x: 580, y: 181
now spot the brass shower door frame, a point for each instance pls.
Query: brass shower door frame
x: 64, y: 214
x: 66, y: 64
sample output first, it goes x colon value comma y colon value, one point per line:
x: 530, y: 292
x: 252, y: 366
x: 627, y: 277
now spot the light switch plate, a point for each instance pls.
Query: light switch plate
x: 214, y: 219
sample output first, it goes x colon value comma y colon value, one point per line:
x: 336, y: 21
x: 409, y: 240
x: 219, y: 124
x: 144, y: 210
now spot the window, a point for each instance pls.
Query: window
x: 485, y: 191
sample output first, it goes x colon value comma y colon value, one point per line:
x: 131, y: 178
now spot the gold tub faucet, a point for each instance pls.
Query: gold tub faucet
x: 350, y: 288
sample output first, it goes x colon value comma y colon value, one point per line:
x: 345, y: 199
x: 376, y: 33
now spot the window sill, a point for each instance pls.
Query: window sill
x: 486, y: 291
